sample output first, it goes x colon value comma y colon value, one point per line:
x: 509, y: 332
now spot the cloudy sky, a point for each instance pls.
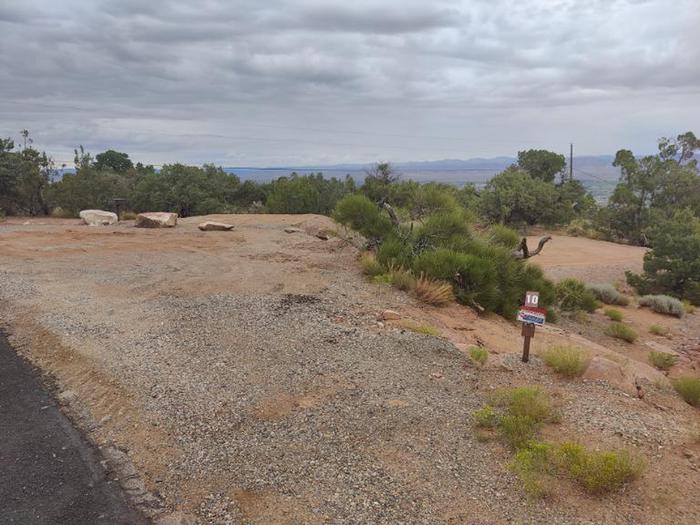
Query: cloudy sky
x: 279, y: 82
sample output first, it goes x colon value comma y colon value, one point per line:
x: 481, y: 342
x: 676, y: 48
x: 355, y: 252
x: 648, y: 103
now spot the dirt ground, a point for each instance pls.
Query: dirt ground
x: 587, y: 259
x: 243, y: 377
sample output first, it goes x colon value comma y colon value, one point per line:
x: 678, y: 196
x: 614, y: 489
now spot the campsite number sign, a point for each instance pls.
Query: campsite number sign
x: 532, y: 299
x: 531, y: 315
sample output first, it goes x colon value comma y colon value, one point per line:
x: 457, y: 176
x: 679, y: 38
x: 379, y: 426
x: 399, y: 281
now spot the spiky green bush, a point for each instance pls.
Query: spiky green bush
x: 395, y: 252
x: 663, y: 304
x: 607, y: 294
x: 445, y: 230
x: 361, y: 214
x: 501, y: 235
x: 573, y: 295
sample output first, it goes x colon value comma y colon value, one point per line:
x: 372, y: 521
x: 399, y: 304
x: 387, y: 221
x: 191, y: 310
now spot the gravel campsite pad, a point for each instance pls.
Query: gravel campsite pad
x: 246, y: 379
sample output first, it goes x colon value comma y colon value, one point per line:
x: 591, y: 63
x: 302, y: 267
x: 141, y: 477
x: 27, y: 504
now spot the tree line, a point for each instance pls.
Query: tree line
x: 656, y: 202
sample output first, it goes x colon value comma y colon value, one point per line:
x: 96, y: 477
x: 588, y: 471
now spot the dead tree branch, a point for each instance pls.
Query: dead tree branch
x: 523, y: 252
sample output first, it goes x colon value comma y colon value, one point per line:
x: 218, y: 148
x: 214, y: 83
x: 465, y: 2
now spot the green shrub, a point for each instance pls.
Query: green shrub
x: 658, y: 329
x: 689, y: 389
x: 445, y: 230
x: 613, y: 314
x: 533, y: 464
x: 528, y: 401
x: 621, y: 331
x: 361, y: 214
x: 478, y: 355
x: 537, y: 464
x: 486, y: 277
x: 552, y: 316
x: 486, y: 417
x: 607, y: 294
x: 502, y: 236
x: 566, y: 360
x: 582, y: 228
x: 663, y: 304
x: 573, y: 295
x: 516, y: 430
x: 369, y: 264
x: 662, y: 360
x: 395, y: 252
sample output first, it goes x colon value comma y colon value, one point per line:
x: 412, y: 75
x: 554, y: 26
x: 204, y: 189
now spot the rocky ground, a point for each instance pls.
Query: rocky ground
x: 244, y: 376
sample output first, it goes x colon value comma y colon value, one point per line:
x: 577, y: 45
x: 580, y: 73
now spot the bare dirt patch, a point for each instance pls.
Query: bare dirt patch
x: 245, y: 376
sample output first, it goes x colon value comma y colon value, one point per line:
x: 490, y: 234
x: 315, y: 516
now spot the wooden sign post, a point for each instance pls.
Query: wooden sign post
x: 530, y: 315
x: 528, y: 333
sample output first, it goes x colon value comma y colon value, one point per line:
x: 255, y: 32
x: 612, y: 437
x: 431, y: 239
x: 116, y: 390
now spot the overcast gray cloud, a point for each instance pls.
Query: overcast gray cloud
x: 315, y: 81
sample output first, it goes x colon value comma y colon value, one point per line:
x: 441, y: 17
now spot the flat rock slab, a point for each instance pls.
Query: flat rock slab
x: 48, y: 473
x: 215, y: 227
x: 156, y: 220
x: 98, y: 217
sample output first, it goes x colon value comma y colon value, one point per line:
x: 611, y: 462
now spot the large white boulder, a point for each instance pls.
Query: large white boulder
x: 157, y: 219
x: 211, y: 226
x: 98, y: 217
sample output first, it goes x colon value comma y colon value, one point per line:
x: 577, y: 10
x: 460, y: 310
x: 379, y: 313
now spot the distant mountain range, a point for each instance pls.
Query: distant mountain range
x: 451, y: 171
x: 596, y: 172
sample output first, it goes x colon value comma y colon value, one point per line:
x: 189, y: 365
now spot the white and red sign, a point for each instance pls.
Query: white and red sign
x: 530, y: 313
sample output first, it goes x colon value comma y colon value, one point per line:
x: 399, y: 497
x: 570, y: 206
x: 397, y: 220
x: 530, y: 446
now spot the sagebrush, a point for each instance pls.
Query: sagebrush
x: 606, y: 293
x: 663, y: 304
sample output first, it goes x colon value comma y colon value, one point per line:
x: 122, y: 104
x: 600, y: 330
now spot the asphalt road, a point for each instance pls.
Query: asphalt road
x: 48, y: 473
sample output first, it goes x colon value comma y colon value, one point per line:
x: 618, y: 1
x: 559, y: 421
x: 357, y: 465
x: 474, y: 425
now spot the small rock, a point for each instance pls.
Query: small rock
x: 210, y: 226
x: 323, y: 236
x: 67, y: 396
x: 436, y: 375
x: 292, y: 230
x: 390, y: 315
x: 156, y: 220
x: 98, y: 217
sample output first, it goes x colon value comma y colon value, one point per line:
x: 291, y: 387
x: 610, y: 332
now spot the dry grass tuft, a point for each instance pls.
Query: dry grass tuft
x: 566, y: 360
x: 689, y: 389
x: 401, y: 279
x: 370, y: 265
x: 436, y: 293
x: 658, y: 329
x: 613, y: 314
x: 662, y: 360
x: 424, y: 329
x: 621, y: 331
x: 478, y: 355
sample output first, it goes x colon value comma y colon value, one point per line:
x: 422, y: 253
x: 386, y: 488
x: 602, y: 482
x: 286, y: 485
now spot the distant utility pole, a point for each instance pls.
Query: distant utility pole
x: 571, y: 161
